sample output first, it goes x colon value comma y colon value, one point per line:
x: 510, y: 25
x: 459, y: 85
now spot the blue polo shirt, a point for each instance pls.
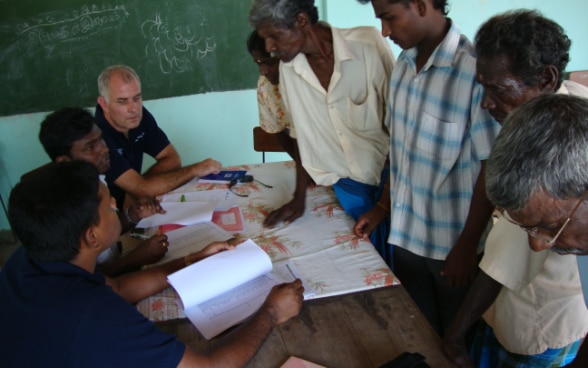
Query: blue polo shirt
x: 59, y: 315
x: 126, y: 154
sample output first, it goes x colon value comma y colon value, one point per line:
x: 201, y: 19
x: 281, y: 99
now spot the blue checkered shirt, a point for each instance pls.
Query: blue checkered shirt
x: 439, y: 134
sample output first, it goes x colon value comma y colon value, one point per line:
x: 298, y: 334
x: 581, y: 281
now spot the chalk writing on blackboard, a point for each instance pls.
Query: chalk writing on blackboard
x: 53, y: 32
x: 175, y: 46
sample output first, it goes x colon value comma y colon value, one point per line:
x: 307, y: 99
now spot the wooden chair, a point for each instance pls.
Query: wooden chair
x: 580, y: 76
x: 265, y: 142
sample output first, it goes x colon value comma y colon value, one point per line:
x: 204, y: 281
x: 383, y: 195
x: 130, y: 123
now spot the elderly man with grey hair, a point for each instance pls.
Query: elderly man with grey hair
x: 130, y: 130
x: 335, y: 84
x: 536, y: 176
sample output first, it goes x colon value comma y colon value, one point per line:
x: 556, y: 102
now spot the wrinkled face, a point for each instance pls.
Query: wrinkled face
x: 93, y: 149
x: 503, y: 91
x: 109, y: 227
x: 283, y: 43
x: 124, y: 108
x: 268, y: 67
x: 399, y: 22
x: 548, y: 215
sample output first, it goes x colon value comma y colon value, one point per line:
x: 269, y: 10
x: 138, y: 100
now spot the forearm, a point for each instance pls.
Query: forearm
x: 118, y: 267
x: 480, y: 297
x: 156, y: 185
x: 288, y: 144
x: 303, y: 179
x: 139, y: 285
x: 479, y: 213
x: 239, y: 347
x: 163, y: 165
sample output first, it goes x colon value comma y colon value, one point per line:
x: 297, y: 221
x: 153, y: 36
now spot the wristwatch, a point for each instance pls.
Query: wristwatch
x: 128, y: 217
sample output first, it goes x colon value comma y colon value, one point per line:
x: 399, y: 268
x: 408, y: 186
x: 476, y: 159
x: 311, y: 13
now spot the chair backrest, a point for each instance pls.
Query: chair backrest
x: 580, y: 76
x: 265, y: 142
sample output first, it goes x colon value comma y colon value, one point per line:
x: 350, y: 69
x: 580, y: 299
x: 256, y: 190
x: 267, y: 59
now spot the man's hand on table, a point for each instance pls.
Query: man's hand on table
x: 214, y: 248
x: 368, y: 221
x: 208, y: 166
x: 144, y: 207
x: 287, y: 213
x: 284, y: 301
x: 150, y: 250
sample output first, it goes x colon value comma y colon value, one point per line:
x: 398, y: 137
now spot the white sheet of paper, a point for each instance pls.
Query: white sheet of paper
x: 224, y: 198
x: 181, y: 213
x: 223, y: 289
x: 219, y: 273
x: 229, y: 309
x: 193, y: 238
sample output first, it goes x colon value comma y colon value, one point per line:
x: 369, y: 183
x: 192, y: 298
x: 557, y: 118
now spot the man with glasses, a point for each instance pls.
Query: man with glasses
x: 537, y: 175
x: 517, y: 290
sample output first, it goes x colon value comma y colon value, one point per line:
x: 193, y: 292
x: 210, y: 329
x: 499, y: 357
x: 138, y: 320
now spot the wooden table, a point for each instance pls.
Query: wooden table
x: 364, y: 329
x: 358, y: 319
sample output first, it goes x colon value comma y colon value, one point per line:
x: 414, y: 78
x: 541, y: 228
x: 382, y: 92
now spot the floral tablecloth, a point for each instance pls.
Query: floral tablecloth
x: 321, y: 243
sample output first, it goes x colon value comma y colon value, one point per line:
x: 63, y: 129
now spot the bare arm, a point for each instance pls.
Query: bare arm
x: 480, y: 297
x: 289, y: 144
x: 138, y: 210
x: 137, y: 286
x: 153, y: 185
x: 368, y: 221
x: 167, y: 160
x: 295, y: 208
x: 147, y: 252
x: 283, y: 303
x: 461, y: 264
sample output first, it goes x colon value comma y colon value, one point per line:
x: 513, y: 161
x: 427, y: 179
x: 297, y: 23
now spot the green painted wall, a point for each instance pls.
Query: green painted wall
x: 219, y: 125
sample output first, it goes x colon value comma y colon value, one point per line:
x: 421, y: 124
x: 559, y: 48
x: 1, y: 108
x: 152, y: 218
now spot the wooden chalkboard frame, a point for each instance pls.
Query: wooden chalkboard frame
x: 51, y: 52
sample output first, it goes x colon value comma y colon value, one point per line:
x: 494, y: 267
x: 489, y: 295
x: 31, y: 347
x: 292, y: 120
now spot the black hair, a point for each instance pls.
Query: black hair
x: 62, y: 128
x: 50, y: 209
x: 437, y: 4
x: 256, y: 43
x: 529, y: 41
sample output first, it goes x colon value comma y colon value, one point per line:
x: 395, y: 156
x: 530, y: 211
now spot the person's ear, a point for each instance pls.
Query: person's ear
x: 62, y: 158
x: 420, y: 6
x: 549, y: 79
x: 302, y: 20
x: 102, y: 102
x: 91, y: 238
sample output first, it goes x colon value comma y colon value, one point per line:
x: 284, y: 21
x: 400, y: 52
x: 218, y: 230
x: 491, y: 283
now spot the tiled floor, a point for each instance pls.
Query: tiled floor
x: 8, y: 244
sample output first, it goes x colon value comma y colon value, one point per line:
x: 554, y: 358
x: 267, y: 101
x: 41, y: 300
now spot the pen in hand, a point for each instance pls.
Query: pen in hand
x: 139, y: 236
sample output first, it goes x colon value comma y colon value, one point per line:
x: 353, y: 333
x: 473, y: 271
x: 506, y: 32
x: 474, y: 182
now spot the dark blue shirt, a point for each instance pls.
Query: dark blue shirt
x: 59, y: 315
x: 126, y: 154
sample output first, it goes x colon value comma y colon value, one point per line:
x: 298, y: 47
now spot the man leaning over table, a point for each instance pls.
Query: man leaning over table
x: 440, y: 138
x: 58, y: 310
x: 130, y: 130
x: 72, y: 134
x: 521, y: 55
x: 334, y: 83
x: 537, y: 175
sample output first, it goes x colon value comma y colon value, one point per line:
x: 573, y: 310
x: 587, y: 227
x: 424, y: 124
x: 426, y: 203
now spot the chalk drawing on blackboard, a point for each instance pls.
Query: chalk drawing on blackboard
x: 176, y: 46
x: 53, y: 33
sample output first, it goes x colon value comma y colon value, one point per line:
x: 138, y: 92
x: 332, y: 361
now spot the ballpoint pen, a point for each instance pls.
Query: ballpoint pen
x: 139, y: 236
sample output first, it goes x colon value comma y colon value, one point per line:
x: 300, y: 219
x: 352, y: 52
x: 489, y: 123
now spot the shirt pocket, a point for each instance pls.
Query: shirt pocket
x: 439, y: 139
x: 364, y: 114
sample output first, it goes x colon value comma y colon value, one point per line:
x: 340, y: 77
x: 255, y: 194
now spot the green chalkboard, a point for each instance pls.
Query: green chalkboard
x: 51, y: 51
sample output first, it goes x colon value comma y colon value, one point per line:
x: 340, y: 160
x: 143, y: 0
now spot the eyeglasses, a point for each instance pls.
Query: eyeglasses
x: 541, y: 233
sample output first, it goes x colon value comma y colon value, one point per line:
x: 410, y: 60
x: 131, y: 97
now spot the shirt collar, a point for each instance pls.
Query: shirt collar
x: 445, y: 52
